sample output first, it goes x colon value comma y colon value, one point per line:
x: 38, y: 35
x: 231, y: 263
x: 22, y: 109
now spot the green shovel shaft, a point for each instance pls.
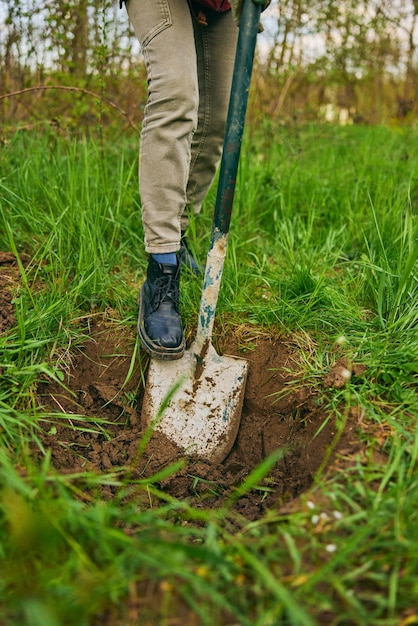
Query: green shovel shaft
x: 237, y: 109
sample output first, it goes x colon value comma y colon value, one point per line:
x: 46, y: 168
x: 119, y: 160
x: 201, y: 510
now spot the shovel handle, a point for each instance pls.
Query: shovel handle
x: 244, y: 59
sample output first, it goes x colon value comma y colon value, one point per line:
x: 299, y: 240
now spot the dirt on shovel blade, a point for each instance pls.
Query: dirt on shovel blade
x: 204, y: 411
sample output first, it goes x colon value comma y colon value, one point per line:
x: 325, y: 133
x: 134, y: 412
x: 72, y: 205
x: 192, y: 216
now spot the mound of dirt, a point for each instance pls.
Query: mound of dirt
x: 105, y: 381
x: 95, y: 422
x: 9, y: 279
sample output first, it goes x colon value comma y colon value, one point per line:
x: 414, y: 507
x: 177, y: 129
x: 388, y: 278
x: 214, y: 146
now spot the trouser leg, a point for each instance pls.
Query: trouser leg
x: 189, y: 69
x: 166, y: 34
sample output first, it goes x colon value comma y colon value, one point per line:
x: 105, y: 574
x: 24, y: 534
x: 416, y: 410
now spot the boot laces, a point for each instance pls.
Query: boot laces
x: 166, y: 290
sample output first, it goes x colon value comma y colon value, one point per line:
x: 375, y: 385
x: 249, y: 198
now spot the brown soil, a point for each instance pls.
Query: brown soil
x: 9, y: 279
x: 280, y: 411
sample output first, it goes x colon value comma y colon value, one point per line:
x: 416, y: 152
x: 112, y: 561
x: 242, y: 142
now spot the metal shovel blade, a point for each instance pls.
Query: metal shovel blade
x: 203, y: 416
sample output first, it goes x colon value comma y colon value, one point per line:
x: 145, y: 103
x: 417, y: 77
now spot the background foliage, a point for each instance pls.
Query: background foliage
x: 351, y: 60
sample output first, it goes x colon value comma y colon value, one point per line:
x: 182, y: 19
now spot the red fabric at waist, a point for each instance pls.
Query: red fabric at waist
x: 215, y: 5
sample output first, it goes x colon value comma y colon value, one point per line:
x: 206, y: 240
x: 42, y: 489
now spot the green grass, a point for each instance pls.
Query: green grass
x: 323, y: 244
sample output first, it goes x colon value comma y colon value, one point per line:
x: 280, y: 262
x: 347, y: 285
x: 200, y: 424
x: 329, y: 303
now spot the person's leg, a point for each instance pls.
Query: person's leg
x: 215, y: 48
x: 165, y: 31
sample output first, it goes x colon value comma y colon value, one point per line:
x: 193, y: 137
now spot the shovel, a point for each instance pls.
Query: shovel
x: 197, y: 401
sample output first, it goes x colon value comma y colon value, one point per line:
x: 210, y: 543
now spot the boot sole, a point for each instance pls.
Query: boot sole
x: 153, y: 349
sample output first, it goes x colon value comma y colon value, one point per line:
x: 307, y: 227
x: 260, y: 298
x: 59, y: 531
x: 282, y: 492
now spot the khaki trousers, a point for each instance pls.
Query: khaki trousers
x: 189, y: 70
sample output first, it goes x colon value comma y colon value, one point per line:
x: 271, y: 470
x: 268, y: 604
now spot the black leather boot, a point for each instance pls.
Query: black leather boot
x: 159, y: 323
x: 185, y: 257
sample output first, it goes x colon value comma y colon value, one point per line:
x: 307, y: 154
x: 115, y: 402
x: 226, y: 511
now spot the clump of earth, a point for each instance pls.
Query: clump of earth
x: 104, y: 381
x: 9, y: 279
